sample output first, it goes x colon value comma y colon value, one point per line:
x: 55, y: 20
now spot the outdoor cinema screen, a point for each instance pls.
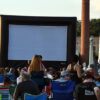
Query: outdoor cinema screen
x: 24, y: 41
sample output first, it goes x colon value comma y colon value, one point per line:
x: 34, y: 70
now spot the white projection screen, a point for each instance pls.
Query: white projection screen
x: 25, y: 41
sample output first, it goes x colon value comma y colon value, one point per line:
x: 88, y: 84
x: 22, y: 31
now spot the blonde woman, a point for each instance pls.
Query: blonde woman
x: 35, y: 64
x: 37, y: 74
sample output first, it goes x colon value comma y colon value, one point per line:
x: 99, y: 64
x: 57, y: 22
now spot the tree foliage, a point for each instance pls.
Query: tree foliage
x: 94, y: 27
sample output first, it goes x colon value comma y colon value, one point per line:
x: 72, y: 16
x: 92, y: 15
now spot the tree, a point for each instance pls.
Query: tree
x: 94, y: 27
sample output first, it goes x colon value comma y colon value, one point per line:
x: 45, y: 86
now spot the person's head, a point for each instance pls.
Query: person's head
x: 25, y: 76
x: 35, y: 64
x: 40, y: 57
x: 65, y: 74
x: 19, y: 69
x: 6, y: 69
x: 1, y: 71
x: 75, y: 59
x: 7, y: 81
x: 88, y: 76
x: 12, y: 70
x: 50, y: 70
x: 24, y: 69
x: 56, y: 75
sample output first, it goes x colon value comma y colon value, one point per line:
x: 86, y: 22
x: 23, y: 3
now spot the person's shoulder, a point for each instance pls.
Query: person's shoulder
x: 20, y: 84
x: 68, y: 67
x: 97, y: 89
x: 32, y: 82
x: 80, y: 85
x: 89, y: 85
x: 77, y: 65
x: 60, y: 80
x: 25, y: 83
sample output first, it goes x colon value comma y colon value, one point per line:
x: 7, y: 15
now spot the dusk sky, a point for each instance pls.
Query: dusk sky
x: 64, y: 8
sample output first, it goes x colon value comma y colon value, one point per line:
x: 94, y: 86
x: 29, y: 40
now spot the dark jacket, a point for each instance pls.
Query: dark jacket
x: 25, y: 87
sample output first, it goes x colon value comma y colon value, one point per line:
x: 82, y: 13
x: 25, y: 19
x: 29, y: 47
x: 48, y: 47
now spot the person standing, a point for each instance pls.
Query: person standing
x: 36, y: 72
x: 75, y: 70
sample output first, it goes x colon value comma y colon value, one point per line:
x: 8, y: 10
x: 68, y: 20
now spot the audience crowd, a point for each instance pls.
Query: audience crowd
x: 35, y: 78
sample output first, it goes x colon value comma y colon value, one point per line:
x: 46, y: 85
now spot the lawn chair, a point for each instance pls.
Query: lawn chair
x: 42, y: 96
x: 11, y: 76
x: 62, y: 90
x: 4, y: 93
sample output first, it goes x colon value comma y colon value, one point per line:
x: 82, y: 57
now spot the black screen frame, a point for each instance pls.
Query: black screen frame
x: 5, y: 20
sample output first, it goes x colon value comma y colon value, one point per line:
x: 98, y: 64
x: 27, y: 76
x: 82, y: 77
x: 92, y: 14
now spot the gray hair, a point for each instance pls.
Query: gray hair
x: 26, y: 76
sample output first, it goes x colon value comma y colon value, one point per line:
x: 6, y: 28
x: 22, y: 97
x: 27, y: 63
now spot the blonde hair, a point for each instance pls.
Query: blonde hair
x: 35, y: 64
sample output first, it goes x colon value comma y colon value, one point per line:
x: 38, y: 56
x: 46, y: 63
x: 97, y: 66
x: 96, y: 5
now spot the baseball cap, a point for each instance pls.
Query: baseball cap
x: 63, y: 73
x: 24, y: 68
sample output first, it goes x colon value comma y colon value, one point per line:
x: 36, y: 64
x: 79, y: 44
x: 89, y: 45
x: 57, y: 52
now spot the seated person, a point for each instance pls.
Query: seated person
x: 7, y: 81
x: 26, y: 85
x: 18, y: 78
x: 50, y: 73
x: 63, y: 87
x: 87, y: 90
x: 65, y: 76
x: 98, y: 81
x: 6, y: 70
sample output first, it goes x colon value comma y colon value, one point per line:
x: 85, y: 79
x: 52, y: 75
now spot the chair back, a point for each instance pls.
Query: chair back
x: 1, y: 78
x: 11, y: 76
x: 4, y: 93
x: 42, y: 96
x: 62, y: 90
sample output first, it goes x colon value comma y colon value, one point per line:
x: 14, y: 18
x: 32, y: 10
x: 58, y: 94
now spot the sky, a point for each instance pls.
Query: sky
x: 63, y: 8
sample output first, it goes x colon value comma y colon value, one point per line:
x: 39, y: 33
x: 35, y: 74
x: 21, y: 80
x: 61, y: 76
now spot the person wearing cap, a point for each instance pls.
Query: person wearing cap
x: 26, y: 85
x: 65, y: 76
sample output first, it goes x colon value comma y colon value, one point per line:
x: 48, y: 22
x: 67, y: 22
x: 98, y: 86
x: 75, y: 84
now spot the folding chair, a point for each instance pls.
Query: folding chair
x: 4, y: 93
x: 62, y: 90
x: 42, y: 96
x: 11, y: 76
x: 2, y: 78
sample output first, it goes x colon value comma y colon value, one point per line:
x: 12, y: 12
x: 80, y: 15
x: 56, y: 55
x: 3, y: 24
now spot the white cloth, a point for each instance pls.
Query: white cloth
x: 49, y: 76
x: 18, y: 80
